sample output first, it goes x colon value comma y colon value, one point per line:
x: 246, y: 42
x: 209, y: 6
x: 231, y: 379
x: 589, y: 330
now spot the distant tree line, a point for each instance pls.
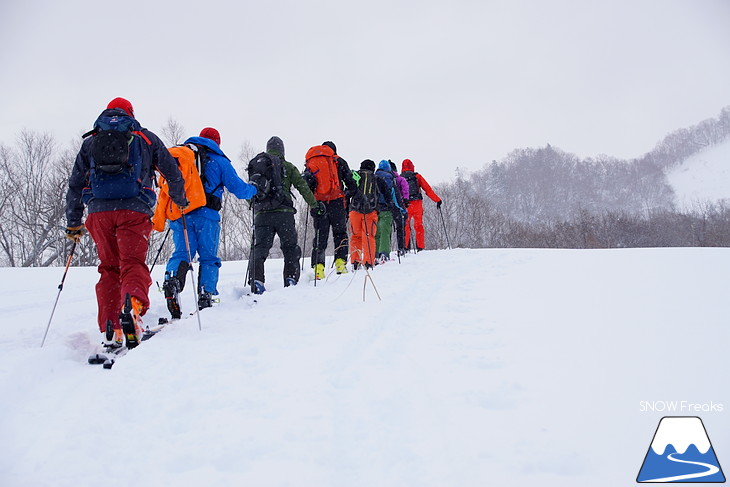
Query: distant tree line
x: 541, y: 197
x: 549, y: 198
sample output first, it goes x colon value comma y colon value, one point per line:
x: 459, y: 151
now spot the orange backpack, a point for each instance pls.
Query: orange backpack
x: 320, y: 161
x: 166, y: 209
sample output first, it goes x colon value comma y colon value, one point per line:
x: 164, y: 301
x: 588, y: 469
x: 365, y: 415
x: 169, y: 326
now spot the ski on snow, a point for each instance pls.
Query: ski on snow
x: 109, y: 354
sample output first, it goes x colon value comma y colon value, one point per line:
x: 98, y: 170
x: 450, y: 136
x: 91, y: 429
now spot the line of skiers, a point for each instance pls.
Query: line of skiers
x: 113, y: 178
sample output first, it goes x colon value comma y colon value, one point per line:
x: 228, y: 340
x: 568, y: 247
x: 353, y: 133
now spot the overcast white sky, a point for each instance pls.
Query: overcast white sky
x: 446, y: 84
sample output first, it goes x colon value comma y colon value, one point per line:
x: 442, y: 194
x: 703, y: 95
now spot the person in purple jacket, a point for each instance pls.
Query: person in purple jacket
x: 402, y: 186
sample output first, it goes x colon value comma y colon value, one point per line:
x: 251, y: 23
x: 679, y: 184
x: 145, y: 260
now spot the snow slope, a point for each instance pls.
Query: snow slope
x: 702, y: 177
x: 478, y: 367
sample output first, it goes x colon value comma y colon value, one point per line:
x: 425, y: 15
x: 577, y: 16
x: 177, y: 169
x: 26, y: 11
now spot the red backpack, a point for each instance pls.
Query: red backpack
x: 321, y: 162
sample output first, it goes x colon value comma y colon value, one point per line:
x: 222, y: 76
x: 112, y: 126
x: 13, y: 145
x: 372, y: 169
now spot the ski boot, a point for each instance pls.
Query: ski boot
x: 131, y: 321
x: 258, y: 287
x: 319, y: 272
x: 205, y: 300
x: 340, y: 266
x: 112, y: 339
x: 171, y: 287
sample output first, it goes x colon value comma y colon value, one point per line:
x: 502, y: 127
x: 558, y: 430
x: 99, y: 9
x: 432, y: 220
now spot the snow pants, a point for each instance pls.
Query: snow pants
x: 267, y: 225
x: 204, y: 236
x: 336, y: 217
x: 385, y: 229
x: 363, y: 228
x: 122, y: 240
x: 415, y: 213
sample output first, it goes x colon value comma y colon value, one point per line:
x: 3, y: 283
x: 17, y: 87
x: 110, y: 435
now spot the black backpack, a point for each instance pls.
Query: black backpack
x: 365, y: 200
x: 266, y: 172
x: 414, y: 189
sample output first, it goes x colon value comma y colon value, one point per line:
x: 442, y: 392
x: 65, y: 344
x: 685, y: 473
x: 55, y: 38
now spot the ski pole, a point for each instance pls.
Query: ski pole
x: 60, y: 288
x: 315, y: 254
x: 249, y: 269
x: 154, y: 263
x: 192, y: 273
x: 443, y: 222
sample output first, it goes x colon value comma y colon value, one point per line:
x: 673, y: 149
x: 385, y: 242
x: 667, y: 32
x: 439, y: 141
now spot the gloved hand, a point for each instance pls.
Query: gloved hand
x: 184, y: 205
x: 406, y: 203
x: 438, y: 204
x: 74, y: 234
x: 320, y: 210
x: 404, y: 212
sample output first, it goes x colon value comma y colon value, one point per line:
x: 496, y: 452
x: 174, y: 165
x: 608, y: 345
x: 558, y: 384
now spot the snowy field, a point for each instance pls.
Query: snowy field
x: 703, y: 177
x: 478, y: 367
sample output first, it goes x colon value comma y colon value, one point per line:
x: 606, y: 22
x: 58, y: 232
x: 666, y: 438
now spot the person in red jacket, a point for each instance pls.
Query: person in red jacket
x: 416, y: 183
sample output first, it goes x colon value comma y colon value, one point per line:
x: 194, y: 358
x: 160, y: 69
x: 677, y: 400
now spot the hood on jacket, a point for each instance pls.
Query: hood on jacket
x: 368, y: 165
x: 407, y: 165
x: 275, y: 146
x: 384, y: 165
x: 207, y: 143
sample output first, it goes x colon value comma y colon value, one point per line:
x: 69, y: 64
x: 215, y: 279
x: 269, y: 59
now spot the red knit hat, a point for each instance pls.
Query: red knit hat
x: 122, y: 104
x: 212, y: 134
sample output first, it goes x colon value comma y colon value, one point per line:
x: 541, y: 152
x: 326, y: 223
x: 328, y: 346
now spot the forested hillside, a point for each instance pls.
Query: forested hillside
x: 547, y: 197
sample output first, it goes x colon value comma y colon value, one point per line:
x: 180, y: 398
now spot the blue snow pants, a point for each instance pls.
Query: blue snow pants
x: 204, y: 236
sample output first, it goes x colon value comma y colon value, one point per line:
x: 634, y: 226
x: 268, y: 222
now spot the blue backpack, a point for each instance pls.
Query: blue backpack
x: 116, y: 168
x: 384, y: 200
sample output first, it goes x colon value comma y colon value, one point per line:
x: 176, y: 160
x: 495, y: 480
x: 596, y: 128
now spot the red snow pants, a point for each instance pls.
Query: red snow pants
x: 362, y: 242
x: 122, y: 239
x: 415, y: 212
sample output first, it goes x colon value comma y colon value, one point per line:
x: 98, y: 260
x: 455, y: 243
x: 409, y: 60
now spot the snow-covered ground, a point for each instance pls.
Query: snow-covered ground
x: 703, y: 177
x: 478, y: 367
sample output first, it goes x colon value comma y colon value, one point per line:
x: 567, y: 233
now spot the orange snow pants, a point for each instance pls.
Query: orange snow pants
x: 362, y: 243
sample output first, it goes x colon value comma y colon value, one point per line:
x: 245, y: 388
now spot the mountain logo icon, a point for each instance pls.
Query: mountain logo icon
x: 680, y: 452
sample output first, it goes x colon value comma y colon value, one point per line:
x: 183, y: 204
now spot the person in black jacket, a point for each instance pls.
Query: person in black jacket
x: 334, y: 215
x: 119, y: 211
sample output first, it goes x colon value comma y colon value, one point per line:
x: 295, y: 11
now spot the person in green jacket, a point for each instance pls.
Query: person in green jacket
x: 278, y: 219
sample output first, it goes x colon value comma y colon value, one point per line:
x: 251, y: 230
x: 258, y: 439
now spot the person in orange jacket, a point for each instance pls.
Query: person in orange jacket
x: 416, y: 183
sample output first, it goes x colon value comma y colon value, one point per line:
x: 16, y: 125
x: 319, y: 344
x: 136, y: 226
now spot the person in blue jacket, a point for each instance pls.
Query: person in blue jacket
x: 389, y: 202
x: 203, y: 224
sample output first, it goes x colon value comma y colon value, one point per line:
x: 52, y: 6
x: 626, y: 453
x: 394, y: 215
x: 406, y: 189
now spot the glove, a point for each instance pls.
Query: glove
x: 74, y: 234
x: 404, y: 212
x: 406, y: 203
x: 184, y: 205
x: 438, y: 204
x: 320, y: 210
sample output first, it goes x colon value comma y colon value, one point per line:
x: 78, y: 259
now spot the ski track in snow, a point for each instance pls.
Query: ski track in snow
x: 520, y: 367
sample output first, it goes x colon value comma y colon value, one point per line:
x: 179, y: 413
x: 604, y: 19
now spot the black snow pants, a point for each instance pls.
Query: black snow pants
x: 268, y: 224
x: 336, y: 217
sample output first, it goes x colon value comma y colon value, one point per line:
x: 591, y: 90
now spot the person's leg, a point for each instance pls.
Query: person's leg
x: 102, y: 229
x: 133, y: 232
x: 319, y: 243
x: 265, y: 231
x: 418, y: 224
x: 338, y: 219
x: 208, y: 237
x: 286, y: 229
